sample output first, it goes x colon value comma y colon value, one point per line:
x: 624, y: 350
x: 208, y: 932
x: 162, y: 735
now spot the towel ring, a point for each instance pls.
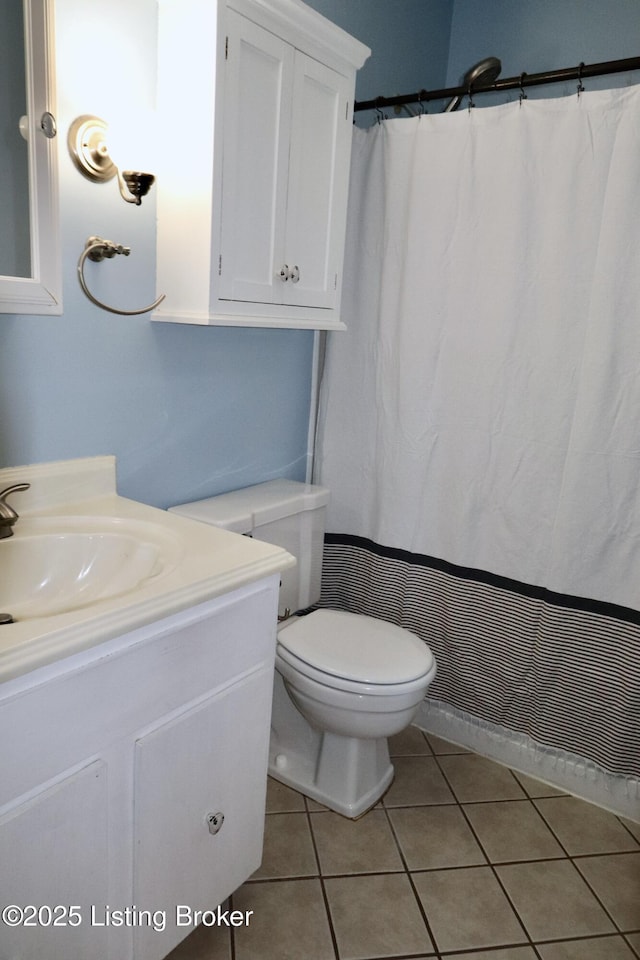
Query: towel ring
x: 97, y: 249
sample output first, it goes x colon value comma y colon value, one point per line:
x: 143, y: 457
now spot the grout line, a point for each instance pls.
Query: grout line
x: 489, y: 862
x: 232, y: 938
x: 628, y: 829
x: 325, y: 897
x: 586, y: 856
x: 438, y: 954
x: 433, y: 955
x: 407, y: 871
x: 630, y: 945
x: 595, y: 895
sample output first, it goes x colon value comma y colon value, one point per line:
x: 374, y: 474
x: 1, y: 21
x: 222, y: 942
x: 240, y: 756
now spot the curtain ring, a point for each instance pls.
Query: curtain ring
x: 523, y: 95
x: 580, y: 83
x: 471, y: 103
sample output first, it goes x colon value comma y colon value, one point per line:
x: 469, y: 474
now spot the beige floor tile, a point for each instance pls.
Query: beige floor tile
x: 289, y: 922
x: 417, y: 780
x: 512, y: 830
x: 433, y: 837
x: 582, y: 827
x: 600, y: 948
x: 536, y: 788
x: 288, y: 848
x: 474, y: 778
x: 505, y: 953
x: 553, y: 901
x: 616, y: 880
x: 355, y: 846
x: 282, y: 799
x: 376, y: 916
x: 467, y: 910
x: 410, y: 742
x: 442, y: 747
x: 205, y: 943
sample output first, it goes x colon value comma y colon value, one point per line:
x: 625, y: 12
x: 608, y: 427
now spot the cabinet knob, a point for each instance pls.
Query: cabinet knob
x: 214, y: 822
x: 289, y: 273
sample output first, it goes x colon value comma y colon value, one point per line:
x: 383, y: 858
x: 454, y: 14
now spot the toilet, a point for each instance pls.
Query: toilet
x: 343, y: 682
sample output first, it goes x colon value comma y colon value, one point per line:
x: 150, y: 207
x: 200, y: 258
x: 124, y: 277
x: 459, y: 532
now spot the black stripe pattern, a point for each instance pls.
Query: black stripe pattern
x: 565, y: 671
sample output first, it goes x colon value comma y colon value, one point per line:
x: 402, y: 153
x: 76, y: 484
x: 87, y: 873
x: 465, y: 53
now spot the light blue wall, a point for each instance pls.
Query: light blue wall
x: 539, y: 35
x: 409, y: 40
x: 192, y: 411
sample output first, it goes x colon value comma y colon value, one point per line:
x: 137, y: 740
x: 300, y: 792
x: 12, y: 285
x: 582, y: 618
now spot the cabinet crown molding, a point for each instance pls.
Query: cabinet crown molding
x: 306, y: 29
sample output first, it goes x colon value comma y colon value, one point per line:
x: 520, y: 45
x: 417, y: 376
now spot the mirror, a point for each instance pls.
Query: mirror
x: 30, y: 276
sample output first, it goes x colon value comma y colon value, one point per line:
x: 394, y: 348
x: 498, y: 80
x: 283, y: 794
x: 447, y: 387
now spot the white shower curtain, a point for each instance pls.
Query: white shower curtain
x: 479, y: 422
x: 484, y: 405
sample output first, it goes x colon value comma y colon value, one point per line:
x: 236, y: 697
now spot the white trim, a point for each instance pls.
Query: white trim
x: 40, y: 294
x: 313, y: 403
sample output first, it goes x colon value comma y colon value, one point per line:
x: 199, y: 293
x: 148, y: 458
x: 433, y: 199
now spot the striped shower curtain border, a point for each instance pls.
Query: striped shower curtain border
x: 562, y: 670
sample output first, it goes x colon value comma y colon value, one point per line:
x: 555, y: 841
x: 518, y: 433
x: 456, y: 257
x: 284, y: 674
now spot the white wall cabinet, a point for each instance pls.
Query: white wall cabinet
x: 113, y: 762
x: 252, y: 212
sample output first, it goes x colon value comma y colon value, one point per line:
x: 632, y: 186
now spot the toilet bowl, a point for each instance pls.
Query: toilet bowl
x: 354, y: 681
x: 343, y: 682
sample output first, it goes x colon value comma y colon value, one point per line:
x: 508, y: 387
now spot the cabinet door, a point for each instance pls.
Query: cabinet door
x: 209, y: 760
x: 255, y: 161
x: 286, y: 145
x: 53, y: 856
x: 317, y: 189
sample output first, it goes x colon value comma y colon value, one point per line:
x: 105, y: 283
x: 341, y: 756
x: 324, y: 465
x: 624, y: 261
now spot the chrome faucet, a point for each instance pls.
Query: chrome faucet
x: 8, y: 515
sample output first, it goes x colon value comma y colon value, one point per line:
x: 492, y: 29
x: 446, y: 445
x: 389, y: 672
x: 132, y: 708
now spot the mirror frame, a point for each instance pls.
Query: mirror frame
x: 41, y: 293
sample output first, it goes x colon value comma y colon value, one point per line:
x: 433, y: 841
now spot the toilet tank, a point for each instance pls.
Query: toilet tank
x: 286, y: 513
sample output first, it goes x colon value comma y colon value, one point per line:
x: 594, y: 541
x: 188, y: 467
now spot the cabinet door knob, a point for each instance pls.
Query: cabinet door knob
x: 295, y: 274
x: 285, y: 273
x: 214, y: 822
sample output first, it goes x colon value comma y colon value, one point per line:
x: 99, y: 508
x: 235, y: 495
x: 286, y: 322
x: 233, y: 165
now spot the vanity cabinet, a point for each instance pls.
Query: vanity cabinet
x: 251, y: 224
x: 47, y: 841
x: 134, y: 779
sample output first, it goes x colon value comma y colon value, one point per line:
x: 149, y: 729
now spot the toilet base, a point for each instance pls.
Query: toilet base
x: 349, y: 775
x: 346, y: 774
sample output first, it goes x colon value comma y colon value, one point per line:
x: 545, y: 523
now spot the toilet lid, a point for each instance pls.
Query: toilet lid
x: 358, y: 648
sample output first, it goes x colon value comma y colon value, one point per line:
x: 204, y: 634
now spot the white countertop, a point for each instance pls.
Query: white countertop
x: 202, y: 562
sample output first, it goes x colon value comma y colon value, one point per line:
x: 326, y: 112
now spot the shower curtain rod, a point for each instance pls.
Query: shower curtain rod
x: 579, y: 73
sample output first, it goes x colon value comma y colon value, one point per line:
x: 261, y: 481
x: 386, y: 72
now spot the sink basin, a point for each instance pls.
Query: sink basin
x: 55, y: 565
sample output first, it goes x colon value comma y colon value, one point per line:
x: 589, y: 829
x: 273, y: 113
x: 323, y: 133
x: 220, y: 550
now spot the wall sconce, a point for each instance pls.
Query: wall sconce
x: 87, y: 142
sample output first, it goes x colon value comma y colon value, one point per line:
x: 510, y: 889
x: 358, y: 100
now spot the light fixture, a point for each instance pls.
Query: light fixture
x: 87, y: 142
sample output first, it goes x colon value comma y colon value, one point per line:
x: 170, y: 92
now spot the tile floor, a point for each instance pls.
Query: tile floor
x: 463, y: 859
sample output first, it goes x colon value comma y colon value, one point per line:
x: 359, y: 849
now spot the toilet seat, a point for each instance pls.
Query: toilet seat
x: 355, y: 653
